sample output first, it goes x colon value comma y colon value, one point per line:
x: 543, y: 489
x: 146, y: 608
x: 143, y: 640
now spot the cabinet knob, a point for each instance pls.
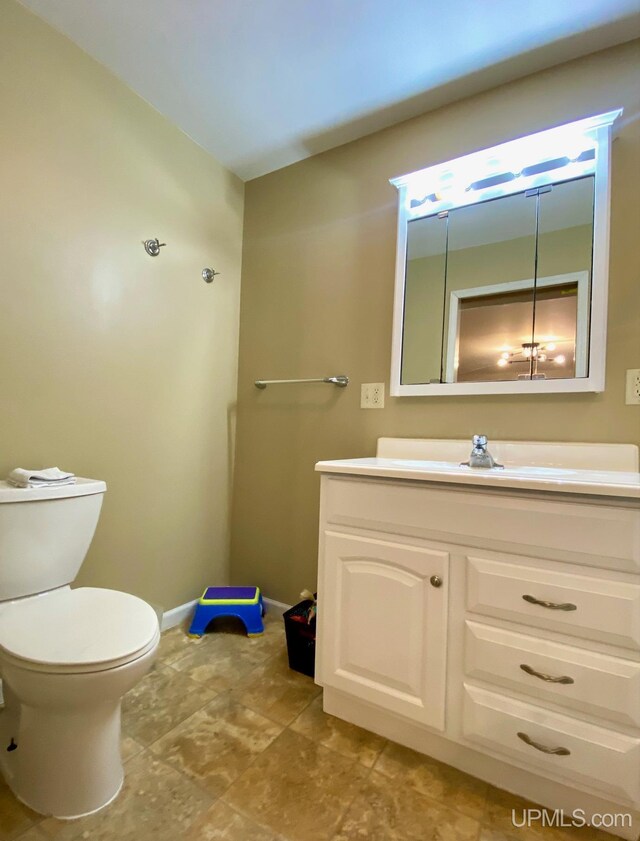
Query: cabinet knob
x: 436, y: 581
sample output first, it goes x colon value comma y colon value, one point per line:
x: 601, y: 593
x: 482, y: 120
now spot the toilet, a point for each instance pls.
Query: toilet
x: 67, y: 656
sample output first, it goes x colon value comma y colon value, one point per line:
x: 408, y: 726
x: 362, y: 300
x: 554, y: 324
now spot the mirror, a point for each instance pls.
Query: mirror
x: 565, y: 249
x: 499, y: 290
x: 495, y: 287
x: 424, y: 300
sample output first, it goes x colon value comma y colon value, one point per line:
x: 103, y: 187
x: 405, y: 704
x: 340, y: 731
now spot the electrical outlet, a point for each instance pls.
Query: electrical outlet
x: 633, y: 387
x: 372, y: 396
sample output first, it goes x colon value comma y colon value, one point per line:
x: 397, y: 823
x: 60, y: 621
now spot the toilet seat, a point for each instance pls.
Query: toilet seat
x: 70, y: 631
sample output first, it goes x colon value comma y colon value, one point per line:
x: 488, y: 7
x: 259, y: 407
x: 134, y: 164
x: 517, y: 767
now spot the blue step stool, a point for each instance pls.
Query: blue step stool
x: 245, y: 603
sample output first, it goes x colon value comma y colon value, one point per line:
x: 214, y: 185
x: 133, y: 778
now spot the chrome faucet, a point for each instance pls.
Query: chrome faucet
x: 480, y: 456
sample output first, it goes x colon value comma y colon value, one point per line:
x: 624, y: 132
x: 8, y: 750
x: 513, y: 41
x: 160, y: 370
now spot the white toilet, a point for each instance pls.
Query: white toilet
x: 66, y: 656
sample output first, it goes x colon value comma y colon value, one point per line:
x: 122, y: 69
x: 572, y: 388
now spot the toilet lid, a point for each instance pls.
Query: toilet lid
x: 87, y: 629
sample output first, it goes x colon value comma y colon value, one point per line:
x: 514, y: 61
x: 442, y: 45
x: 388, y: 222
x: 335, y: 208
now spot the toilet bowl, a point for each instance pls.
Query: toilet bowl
x: 66, y: 660
x: 67, y: 656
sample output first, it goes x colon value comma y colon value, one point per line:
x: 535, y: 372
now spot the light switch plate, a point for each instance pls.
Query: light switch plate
x: 372, y: 396
x: 633, y: 387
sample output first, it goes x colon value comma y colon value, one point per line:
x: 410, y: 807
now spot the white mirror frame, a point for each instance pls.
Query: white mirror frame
x: 542, y: 146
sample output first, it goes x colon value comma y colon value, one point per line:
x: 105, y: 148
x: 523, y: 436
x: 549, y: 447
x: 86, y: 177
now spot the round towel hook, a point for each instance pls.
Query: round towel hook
x: 153, y: 246
x: 209, y: 274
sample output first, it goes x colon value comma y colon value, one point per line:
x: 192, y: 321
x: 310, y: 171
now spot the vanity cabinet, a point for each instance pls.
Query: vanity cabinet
x: 495, y: 629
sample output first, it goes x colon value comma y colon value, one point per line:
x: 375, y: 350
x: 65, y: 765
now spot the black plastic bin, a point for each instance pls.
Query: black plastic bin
x: 301, y: 638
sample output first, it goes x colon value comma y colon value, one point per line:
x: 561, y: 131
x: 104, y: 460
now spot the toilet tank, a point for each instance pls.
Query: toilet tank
x: 45, y: 534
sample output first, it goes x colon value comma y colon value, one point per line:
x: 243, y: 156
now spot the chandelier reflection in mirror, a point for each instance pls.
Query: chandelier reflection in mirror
x: 531, y: 354
x: 501, y: 272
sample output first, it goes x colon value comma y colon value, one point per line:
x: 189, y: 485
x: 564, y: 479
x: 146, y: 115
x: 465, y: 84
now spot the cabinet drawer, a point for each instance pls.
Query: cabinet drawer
x: 596, y: 684
x: 596, y: 758
x: 597, y: 535
x: 594, y: 608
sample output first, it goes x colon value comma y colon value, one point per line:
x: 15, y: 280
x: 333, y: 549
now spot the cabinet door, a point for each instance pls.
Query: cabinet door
x: 385, y: 625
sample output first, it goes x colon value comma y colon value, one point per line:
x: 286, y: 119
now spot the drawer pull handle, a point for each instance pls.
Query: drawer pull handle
x: 548, y: 678
x: 555, y: 751
x: 550, y: 605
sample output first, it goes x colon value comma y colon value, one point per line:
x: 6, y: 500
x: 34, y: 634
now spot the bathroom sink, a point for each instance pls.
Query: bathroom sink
x: 520, y: 470
x: 550, y: 454
x: 595, y: 469
x: 527, y: 470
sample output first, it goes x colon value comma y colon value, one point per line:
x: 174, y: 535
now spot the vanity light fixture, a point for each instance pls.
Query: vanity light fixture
x: 529, y: 171
x: 569, y: 151
x: 433, y: 197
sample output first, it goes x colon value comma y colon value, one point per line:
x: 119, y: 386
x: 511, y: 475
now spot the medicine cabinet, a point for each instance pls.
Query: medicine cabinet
x: 501, y: 271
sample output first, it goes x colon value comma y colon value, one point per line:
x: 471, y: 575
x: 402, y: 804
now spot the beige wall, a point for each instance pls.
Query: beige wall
x: 318, y: 272
x: 113, y: 364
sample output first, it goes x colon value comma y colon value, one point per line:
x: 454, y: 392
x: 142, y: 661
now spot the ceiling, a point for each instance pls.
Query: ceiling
x: 264, y: 83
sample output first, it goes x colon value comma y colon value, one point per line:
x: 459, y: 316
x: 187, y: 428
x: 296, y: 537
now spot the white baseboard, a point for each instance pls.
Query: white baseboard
x: 173, y: 617
x: 275, y: 607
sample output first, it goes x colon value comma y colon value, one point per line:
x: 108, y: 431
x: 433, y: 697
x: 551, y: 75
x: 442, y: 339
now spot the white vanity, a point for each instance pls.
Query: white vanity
x: 490, y: 618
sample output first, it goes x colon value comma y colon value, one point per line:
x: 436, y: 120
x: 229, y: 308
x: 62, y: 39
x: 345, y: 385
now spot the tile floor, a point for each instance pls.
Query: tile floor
x: 222, y: 742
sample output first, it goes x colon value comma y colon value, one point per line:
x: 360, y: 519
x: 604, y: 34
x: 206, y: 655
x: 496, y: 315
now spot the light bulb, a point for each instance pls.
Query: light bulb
x: 502, y: 362
x: 560, y: 359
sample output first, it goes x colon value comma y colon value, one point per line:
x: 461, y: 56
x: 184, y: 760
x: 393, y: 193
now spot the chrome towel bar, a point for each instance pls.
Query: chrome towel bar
x: 340, y: 380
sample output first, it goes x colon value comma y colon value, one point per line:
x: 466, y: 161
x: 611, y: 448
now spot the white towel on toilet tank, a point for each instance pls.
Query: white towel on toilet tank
x: 50, y: 477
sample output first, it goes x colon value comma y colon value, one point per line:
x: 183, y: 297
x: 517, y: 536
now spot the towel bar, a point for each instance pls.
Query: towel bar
x: 340, y: 380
